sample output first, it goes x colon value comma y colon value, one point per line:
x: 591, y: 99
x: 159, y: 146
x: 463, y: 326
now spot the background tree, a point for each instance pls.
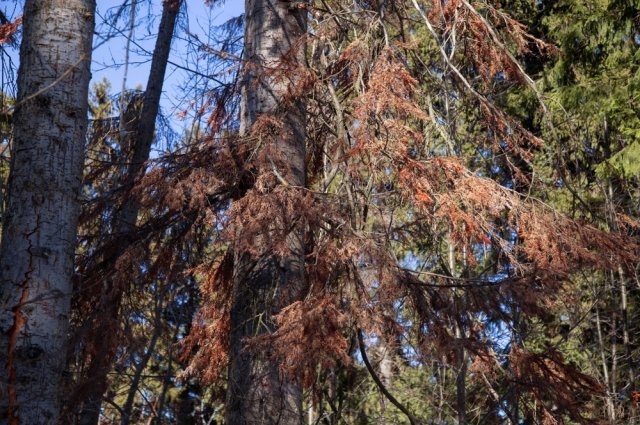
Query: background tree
x: 589, y: 157
x: 138, y: 122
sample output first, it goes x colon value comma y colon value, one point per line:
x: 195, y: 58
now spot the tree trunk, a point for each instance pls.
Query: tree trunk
x: 124, y: 221
x: 127, y: 410
x: 263, y: 282
x: 39, y: 232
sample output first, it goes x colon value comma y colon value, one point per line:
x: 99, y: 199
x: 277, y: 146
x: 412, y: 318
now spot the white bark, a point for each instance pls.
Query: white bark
x: 39, y: 231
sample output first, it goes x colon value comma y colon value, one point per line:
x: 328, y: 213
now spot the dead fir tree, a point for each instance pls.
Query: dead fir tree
x: 267, y: 278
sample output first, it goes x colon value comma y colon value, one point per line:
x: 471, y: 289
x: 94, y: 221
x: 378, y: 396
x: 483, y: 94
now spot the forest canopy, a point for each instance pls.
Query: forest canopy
x: 349, y: 212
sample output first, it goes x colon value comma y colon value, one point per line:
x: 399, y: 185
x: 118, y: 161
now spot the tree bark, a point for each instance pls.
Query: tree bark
x: 124, y: 221
x: 39, y: 232
x: 264, y: 283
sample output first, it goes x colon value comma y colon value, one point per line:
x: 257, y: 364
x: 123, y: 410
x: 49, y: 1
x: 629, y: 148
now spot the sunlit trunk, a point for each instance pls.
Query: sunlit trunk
x: 39, y: 232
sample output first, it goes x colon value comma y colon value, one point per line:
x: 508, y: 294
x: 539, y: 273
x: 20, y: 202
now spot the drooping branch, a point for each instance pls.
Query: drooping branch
x: 412, y: 419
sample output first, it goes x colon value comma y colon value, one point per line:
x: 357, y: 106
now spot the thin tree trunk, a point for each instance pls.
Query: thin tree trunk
x: 461, y: 376
x: 461, y: 380
x: 442, y: 380
x: 311, y: 412
x: 263, y: 283
x: 167, y: 378
x: 125, y: 220
x: 137, y: 377
x: 627, y: 343
x: 613, y: 337
x: 605, y: 370
x: 39, y: 232
x: 125, y: 73
x: 624, y: 311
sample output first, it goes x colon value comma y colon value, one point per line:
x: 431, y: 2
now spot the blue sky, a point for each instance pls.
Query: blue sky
x: 109, y: 56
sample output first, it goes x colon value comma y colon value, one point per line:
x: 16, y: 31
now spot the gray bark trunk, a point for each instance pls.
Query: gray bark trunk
x: 39, y: 232
x: 124, y: 222
x: 257, y: 392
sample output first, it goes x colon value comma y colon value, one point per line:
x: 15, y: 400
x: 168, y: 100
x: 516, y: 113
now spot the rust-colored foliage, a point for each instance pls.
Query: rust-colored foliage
x: 8, y: 30
x: 548, y: 378
x: 395, y: 211
x: 374, y: 190
x: 207, y: 346
x: 310, y: 336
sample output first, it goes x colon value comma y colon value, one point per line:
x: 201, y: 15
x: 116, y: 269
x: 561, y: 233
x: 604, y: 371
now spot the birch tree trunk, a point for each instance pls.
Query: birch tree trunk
x: 39, y: 234
x: 124, y: 221
x: 264, y: 283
